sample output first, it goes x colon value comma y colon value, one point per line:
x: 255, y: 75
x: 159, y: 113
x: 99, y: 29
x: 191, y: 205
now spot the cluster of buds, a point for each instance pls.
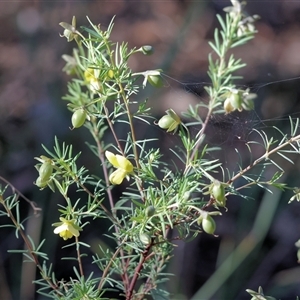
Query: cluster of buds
x: 245, y: 22
x: 246, y: 26
x: 238, y: 100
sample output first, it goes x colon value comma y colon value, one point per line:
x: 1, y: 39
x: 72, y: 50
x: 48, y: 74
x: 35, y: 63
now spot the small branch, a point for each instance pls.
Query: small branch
x: 263, y: 157
x: 138, y: 270
x: 79, y: 256
x: 113, y: 131
x: 16, y: 191
x: 95, y: 134
x: 30, y: 249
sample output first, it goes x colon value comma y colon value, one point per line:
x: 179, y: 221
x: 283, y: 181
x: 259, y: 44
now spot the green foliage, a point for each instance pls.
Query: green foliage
x: 158, y: 197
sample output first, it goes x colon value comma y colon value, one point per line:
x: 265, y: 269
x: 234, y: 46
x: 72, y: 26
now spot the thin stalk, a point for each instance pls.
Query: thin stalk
x: 79, y: 257
x: 263, y: 157
x: 137, y: 271
x: 95, y: 134
x: 30, y: 249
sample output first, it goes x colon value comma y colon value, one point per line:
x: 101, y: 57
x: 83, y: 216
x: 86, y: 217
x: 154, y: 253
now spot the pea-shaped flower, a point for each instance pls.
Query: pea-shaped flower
x: 233, y: 101
x: 239, y: 100
x: 91, y: 77
x: 67, y: 228
x: 70, y: 32
x: 123, y: 165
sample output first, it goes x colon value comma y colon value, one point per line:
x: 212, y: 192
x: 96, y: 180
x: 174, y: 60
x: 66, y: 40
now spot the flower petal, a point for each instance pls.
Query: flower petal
x: 124, y: 163
x: 66, y: 234
x: 117, y: 176
x: 73, y: 230
x: 112, y: 158
x: 61, y: 228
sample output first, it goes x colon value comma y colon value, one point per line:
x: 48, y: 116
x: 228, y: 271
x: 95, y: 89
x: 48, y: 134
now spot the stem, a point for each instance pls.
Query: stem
x: 95, y: 134
x: 30, y: 249
x: 263, y: 157
x: 198, y: 142
x: 112, y: 130
x: 79, y: 256
x: 16, y: 191
x: 221, y: 70
x: 137, y: 271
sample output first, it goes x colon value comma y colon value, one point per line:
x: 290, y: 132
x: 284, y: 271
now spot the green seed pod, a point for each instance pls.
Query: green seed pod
x: 41, y: 183
x: 45, y: 170
x: 218, y: 192
x: 155, y: 80
x: 209, y: 224
x: 170, y: 121
x: 145, y: 238
x: 78, y: 118
x: 150, y: 211
x: 165, y: 122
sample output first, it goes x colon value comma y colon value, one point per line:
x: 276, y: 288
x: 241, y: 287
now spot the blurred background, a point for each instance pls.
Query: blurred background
x: 32, y: 113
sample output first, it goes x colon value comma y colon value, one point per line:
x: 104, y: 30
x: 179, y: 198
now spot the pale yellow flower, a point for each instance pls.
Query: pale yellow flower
x: 91, y: 76
x: 67, y: 228
x: 123, y: 165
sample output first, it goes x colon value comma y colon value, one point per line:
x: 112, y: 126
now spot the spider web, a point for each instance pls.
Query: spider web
x: 233, y: 131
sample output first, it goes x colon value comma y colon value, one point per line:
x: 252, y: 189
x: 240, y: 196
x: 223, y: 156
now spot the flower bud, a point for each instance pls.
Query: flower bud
x: 145, y: 238
x: 186, y: 196
x: 150, y: 211
x: 218, y: 192
x: 147, y: 49
x: 110, y: 74
x: 209, y: 224
x: 78, y: 118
